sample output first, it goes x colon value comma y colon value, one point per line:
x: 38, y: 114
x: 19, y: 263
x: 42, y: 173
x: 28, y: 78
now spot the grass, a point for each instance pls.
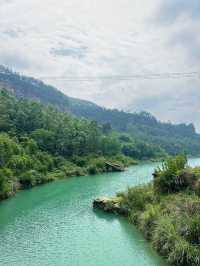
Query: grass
x: 167, y: 211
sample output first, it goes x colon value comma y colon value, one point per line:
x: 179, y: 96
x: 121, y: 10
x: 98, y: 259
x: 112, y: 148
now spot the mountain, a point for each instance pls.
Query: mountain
x: 140, y: 126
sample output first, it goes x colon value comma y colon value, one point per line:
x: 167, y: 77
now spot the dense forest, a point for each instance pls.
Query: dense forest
x: 166, y: 211
x: 39, y: 144
x: 142, y: 127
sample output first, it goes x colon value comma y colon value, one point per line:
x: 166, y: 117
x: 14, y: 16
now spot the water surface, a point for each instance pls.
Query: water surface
x: 55, y: 225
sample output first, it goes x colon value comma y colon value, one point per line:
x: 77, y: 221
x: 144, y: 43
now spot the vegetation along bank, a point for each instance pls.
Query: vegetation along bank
x: 39, y: 144
x: 166, y: 211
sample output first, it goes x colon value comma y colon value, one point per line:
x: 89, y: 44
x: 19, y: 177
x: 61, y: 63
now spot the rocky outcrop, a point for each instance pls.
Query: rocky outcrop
x: 113, y: 167
x: 109, y: 205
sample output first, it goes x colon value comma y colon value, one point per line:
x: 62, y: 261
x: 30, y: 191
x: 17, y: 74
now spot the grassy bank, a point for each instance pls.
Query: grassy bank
x: 11, y: 183
x: 167, y: 211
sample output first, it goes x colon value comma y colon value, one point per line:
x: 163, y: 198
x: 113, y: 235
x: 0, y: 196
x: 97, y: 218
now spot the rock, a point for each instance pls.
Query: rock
x: 103, y: 204
x: 111, y: 167
x: 109, y: 205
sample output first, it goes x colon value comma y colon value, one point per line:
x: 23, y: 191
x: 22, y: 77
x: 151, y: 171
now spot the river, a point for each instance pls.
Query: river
x: 55, y: 225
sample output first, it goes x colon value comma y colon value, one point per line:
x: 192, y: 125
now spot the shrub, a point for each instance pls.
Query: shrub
x: 8, y: 148
x: 7, y: 187
x: 133, y: 216
x: 20, y: 163
x: 55, y: 175
x: 122, y: 159
x: 193, y: 234
x: 148, y: 218
x: 174, y: 247
x: 92, y: 170
x: 171, y: 221
x: 181, y: 253
x: 43, y: 162
x: 171, y: 177
x: 164, y: 235
x: 33, y: 177
x: 136, y: 198
x: 29, y: 179
x: 77, y: 171
x: 81, y: 162
x: 100, y: 164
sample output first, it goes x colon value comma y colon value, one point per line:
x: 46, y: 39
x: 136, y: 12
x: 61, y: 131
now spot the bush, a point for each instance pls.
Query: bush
x: 171, y: 177
x: 81, y: 162
x: 122, y: 159
x: 7, y: 186
x: 170, y: 220
x: 92, y: 170
x: 77, y: 171
x: 136, y: 198
x: 193, y: 235
x: 164, y: 235
x: 172, y: 246
x: 29, y: 179
x: 99, y: 163
x: 20, y: 163
x: 55, y: 175
x: 148, y: 218
x: 43, y: 162
x: 8, y: 148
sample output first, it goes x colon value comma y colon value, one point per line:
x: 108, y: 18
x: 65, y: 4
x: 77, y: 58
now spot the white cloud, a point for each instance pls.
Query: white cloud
x: 107, y: 37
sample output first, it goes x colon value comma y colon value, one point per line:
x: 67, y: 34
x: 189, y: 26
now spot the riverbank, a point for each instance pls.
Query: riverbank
x: 166, y: 211
x: 57, y: 219
x: 77, y: 166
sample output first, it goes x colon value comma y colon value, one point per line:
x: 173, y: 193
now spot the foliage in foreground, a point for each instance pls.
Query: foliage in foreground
x: 167, y: 211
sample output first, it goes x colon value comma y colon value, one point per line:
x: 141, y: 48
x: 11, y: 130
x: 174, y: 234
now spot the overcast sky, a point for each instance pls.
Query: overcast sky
x: 64, y: 38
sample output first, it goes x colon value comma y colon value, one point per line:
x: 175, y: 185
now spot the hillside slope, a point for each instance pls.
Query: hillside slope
x: 141, y: 126
x: 39, y: 144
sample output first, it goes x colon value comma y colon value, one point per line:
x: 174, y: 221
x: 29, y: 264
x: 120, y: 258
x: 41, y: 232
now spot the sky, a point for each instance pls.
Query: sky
x: 58, y: 39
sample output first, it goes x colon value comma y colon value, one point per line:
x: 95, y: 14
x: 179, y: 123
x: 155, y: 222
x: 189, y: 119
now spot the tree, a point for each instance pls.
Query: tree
x: 8, y: 148
x: 106, y: 128
x: 6, y: 183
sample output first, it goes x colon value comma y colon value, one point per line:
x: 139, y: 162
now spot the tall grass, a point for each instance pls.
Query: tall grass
x: 167, y: 211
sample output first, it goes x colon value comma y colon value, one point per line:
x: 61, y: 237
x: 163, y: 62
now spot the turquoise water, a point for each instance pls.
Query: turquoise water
x: 55, y: 224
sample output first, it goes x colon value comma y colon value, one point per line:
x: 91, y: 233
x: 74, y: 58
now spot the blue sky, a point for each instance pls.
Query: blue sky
x: 108, y: 37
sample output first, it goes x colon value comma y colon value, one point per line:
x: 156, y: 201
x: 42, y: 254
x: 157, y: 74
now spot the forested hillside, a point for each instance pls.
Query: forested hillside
x: 39, y: 144
x: 142, y: 127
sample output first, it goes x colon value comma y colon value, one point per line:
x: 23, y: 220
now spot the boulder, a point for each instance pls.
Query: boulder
x: 103, y: 204
x: 109, y: 205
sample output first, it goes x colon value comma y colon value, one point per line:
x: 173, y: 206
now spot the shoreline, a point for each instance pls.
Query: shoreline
x: 166, y: 214
x: 78, y: 171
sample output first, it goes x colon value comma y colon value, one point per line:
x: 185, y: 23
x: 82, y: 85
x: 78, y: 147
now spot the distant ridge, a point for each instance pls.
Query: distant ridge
x: 142, y: 126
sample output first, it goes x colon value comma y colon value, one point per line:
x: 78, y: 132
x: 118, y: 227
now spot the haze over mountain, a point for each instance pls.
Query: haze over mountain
x: 143, y: 128
x: 109, y: 38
